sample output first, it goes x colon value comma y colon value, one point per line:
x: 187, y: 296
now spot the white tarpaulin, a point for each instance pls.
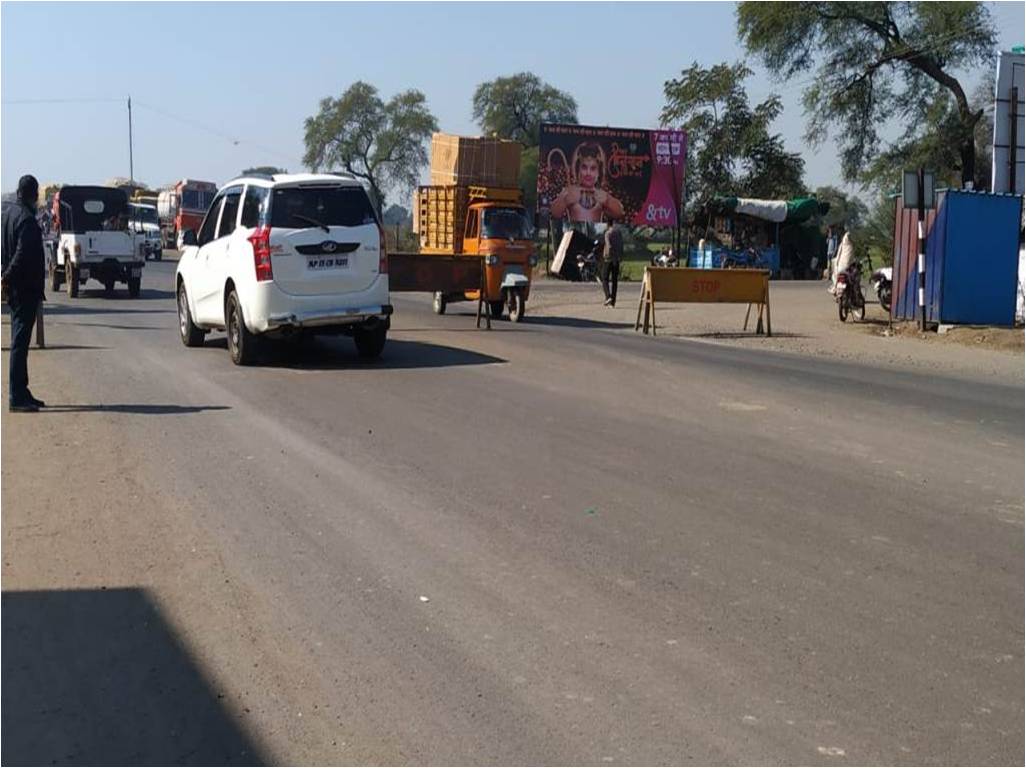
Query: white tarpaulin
x: 770, y: 210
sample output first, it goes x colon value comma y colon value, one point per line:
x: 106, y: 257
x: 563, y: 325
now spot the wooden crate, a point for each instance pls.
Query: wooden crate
x: 441, y: 215
x: 465, y: 160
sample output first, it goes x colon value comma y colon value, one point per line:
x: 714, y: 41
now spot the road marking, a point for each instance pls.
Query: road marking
x: 831, y: 751
x: 742, y: 407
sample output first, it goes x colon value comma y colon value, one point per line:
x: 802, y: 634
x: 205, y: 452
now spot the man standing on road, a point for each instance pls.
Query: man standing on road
x: 609, y: 271
x: 22, y: 279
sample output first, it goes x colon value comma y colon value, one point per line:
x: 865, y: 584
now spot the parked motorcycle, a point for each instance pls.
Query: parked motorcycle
x: 749, y: 258
x: 881, y: 280
x: 665, y: 259
x: 587, y: 264
x: 848, y: 293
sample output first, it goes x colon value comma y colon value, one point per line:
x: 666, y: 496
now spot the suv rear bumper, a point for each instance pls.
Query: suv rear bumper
x: 354, y: 316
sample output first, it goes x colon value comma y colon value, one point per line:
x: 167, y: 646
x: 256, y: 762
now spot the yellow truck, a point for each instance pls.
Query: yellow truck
x: 489, y: 222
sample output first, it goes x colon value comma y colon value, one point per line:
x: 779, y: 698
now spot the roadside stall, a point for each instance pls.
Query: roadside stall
x: 746, y: 232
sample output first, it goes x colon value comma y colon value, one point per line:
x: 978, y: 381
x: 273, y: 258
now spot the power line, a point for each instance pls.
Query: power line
x: 83, y: 100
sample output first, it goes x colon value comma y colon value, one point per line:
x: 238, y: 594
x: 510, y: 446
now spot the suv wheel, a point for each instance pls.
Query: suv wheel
x: 242, y: 345
x: 192, y: 335
x: 370, y: 341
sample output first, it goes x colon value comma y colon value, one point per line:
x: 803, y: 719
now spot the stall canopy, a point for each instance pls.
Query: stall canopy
x: 778, y: 211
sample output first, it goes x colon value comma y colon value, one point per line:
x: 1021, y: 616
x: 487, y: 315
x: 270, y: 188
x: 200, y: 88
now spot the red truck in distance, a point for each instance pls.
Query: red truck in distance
x: 183, y: 206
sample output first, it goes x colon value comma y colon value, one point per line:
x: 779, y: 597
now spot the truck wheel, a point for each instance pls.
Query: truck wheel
x: 496, y: 308
x: 438, y: 303
x: 192, y: 336
x: 516, y: 306
x: 71, y: 275
x: 242, y: 345
x: 134, y: 284
x: 370, y: 341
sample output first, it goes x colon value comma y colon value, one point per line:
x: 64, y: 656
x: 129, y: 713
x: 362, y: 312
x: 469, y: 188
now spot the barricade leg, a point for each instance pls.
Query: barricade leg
x: 748, y: 313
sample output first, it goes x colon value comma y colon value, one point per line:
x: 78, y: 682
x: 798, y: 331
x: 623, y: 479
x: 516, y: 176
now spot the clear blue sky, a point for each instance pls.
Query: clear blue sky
x: 251, y: 72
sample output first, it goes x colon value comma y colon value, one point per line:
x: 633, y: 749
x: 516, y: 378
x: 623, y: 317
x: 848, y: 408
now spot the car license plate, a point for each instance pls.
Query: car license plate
x: 328, y: 262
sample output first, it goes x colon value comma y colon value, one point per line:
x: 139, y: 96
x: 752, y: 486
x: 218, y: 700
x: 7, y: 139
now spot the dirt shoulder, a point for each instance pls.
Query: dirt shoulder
x: 805, y: 322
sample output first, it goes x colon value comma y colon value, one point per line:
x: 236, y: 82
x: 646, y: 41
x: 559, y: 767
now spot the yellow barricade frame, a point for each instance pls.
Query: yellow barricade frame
x: 704, y: 286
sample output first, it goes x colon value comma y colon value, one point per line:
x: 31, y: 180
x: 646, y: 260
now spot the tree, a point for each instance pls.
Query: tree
x: 381, y: 142
x: 264, y: 170
x: 843, y: 209
x: 731, y: 149
x: 514, y: 107
x: 877, y: 61
x: 396, y: 214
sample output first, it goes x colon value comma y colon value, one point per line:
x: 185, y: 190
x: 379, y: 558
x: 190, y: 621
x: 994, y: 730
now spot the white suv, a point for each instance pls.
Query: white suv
x: 284, y: 255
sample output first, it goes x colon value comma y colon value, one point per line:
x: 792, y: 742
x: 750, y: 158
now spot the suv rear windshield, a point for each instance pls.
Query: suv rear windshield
x: 506, y: 223
x: 303, y: 207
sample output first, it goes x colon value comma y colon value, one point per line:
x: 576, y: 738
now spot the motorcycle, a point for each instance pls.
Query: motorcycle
x: 881, y: 280
x: 749, y: 258
x: 587, y: 264
x: 666, y: 259
x: 848, y: 293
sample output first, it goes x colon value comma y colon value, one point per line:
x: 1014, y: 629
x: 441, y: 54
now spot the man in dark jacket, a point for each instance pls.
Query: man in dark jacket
x: 23, y: 266
x: 609, y: 270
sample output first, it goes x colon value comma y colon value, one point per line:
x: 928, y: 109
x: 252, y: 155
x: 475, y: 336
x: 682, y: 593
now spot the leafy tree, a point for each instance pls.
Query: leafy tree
x: 877, y: 61
x: 514, y: 107
x: 381, y: 142
x: 731, y: 149
x: 268, y: 170
x: 843, y: 209
x: 396, y: 214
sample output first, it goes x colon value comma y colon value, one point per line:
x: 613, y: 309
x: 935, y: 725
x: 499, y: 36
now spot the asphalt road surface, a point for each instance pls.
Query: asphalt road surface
x: 552, y: 543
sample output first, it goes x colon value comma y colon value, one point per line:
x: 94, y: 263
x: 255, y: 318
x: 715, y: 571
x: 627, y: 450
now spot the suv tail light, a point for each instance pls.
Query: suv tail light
x: 261, y: 240
x: 382, y: 252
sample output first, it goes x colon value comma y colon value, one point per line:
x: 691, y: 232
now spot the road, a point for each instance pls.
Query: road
x: 552, y: 543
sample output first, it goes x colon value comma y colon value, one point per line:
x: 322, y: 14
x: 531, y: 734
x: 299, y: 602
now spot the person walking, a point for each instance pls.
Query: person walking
x: 22, y: 280
x: 831, y: 253
x: 609, y: 271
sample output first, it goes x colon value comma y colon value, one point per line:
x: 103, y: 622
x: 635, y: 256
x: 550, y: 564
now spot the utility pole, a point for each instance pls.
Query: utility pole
x: 131, y: 164
x: 921, y: 255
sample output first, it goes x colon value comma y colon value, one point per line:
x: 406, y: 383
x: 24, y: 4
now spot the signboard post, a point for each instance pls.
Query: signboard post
x: 918, y: 191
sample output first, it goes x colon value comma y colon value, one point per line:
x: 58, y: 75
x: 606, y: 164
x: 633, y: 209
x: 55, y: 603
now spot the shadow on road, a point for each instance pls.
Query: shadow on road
x: 50, y: 308
x: 141, y: 409
x: 339, y: 354
x: 575, y: 322
x: 35, y: 350
x: 121, y: 294
x: 99, y: 677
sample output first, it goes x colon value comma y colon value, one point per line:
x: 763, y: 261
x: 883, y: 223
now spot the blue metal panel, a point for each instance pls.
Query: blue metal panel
x: 980, y: 259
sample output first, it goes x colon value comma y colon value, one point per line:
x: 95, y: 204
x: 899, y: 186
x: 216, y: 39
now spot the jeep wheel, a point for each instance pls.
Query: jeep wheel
x: 438, y: 303
x: 55, y: 278
x: 134, y: 285
x: 71, y: 275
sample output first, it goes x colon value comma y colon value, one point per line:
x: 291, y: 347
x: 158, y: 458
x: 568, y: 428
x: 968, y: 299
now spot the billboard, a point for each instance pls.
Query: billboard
x: 1009, y: 102
x: 588, y: 173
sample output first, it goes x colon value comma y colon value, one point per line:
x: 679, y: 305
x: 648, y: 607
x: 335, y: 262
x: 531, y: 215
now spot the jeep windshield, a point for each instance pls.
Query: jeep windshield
x: 309, y: 207
x: 506, y: 224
